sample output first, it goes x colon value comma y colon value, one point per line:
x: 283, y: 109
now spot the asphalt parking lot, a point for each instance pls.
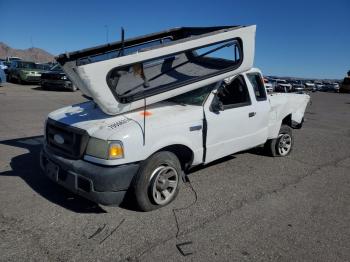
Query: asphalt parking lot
x: 247, y: 207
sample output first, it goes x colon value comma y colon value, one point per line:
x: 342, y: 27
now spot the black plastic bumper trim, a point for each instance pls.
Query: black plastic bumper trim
x: 101, y: 184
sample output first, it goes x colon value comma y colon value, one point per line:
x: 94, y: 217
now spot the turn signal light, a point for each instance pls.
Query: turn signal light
x: 115, y: 151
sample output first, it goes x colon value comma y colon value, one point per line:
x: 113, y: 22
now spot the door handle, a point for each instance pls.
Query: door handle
x: 251, y: 114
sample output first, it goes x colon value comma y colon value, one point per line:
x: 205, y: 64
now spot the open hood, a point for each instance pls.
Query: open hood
x: 127, y: 75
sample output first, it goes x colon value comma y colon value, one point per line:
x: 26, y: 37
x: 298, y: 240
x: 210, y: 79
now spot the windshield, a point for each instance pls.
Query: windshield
x: 43, y: 66
x: 29, y: 65
x: 195, y: 97
x: 56, y: 68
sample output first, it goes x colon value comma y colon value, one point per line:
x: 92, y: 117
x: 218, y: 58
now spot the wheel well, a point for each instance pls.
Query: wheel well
x: 183, y: 153
x: 287, y: 120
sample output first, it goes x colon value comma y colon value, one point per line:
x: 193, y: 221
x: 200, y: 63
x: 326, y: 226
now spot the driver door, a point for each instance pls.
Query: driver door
x: 230, y: 129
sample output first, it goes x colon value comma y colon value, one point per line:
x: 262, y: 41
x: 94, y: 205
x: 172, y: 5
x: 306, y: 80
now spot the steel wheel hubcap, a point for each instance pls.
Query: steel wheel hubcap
x: 284, y: 144
x: 165, y: 180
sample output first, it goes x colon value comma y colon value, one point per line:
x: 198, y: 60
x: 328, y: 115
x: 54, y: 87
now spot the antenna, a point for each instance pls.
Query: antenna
x: 123, y: 39
x: 121, y: 50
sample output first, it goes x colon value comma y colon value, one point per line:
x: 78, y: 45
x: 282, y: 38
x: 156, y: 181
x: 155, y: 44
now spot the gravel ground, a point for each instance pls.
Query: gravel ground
x: 246, y: 207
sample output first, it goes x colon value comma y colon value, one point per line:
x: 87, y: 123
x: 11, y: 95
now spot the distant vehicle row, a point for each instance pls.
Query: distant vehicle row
x: 52, y: 76
x: 29, y: 72
x: 298, y: 86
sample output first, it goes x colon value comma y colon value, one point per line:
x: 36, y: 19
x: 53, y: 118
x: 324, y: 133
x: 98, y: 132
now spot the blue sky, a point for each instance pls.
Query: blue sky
x: 294, y: 38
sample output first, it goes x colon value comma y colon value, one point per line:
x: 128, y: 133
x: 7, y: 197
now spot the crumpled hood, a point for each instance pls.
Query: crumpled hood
x: 88, y: 116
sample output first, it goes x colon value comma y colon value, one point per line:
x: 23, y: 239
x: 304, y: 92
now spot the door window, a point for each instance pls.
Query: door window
x: 234, y: 93
x: 258, y: 85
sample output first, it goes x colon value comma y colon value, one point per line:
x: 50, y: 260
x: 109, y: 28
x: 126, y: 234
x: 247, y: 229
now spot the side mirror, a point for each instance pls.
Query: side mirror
x: 216, y: 105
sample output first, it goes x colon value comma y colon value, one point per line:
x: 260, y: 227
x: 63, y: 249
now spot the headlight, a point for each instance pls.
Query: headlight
x: 64, y: 78
x: 105, y: 149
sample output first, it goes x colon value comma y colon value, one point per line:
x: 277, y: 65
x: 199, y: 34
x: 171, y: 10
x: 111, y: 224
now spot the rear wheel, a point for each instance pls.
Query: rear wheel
x: 282, y: 145
x: 157, y: 182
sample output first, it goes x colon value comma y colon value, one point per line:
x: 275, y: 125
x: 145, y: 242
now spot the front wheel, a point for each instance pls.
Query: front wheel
x: 282, y: 145
x: 157, y: 182
x: 20, y: 81
x: 73, y: 88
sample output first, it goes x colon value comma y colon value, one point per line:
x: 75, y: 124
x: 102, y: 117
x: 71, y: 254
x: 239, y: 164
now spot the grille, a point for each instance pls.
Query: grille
x: 33, y: 78
x: 56, y: 83
x: 74, y: 139
x: 52, y: 76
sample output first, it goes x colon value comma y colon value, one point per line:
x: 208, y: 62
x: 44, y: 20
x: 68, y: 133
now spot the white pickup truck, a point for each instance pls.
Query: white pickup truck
x: 161, y: 104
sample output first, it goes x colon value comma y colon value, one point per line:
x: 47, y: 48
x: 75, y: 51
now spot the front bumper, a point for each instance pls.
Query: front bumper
x: 31, y: 78
x: 56, y: 83
x: 100, y: 184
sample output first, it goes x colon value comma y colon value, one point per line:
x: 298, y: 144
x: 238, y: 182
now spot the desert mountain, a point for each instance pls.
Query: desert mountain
x: 31, y: 54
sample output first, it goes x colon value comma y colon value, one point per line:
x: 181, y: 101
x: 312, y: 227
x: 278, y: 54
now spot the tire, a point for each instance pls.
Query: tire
x: 282, y: 145
x: 20, y: 81
x: 157, y: 182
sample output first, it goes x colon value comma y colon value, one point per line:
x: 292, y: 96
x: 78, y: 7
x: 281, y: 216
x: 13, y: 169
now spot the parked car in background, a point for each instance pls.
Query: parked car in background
x: 7, y: 64
x: 336, y: 87
x: 319, y: 85
x: 56, y: 78
x: 24, y: 71
x: 330, y: 87
x: 345, y: 85
x: 268, y: 85
x: 2, y: 65
x: 310, y: 86
x: 282, y: 86
x: 297, y: 86
x: 13, y: 58
x: 2, y: 76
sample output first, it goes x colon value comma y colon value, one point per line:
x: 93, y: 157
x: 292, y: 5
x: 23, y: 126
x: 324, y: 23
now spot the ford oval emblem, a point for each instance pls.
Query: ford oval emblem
x: 58, y: 139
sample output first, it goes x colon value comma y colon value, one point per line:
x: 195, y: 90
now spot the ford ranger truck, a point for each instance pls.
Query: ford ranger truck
x: 161, y: 104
